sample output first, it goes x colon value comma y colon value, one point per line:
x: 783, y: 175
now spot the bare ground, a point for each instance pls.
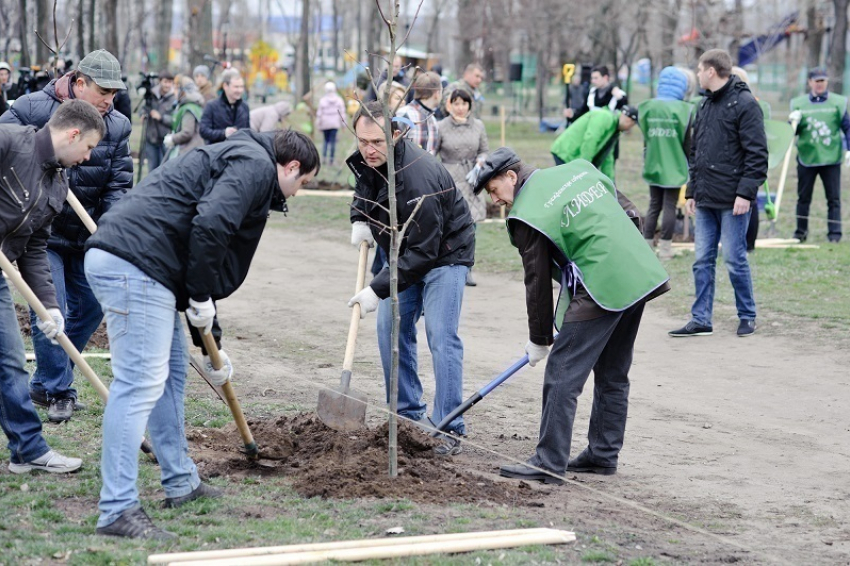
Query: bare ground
x: 736, y: 450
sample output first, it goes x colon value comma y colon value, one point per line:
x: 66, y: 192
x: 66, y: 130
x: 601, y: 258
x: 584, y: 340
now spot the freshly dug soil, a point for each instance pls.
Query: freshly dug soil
x: 324, y: 185
x: 323, y: 462
x: 99, y: 339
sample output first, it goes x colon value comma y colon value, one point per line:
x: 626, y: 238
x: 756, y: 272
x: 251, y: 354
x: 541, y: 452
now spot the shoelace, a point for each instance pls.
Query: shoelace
x: 138, y: 523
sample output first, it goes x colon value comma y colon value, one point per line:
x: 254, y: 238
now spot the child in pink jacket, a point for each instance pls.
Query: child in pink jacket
x: 330, y: 117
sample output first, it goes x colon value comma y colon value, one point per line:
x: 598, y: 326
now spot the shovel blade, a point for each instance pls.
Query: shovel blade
x: 342, y: 409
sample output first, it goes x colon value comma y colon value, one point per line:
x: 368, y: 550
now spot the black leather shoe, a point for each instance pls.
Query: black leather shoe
x: 691, y: 329
x: 39, y: 398
x: 135, y: 524
x: 583, y: 465
x: 526, y: 472
x: 203, y: 490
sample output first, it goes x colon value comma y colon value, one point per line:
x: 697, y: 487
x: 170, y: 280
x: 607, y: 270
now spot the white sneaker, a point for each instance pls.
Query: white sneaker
x: 52, y: 462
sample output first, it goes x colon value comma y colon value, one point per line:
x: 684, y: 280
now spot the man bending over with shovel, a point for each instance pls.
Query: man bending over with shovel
x: 34, y: 189
x: 181, y: 239
x: 571, y: 217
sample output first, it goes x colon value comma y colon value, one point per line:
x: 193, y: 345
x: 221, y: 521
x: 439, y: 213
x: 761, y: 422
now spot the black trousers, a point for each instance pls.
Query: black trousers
x: 661, y: 199
x: 604, y: 345
x: 830, y: 175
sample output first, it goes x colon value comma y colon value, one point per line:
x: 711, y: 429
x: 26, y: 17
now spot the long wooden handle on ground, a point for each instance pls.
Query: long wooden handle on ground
x: 230, y: 398
x: 382, y: 543
x: 62, y: 339
x: 354, y: 325
x: 784, y: 174
x: 81, y: 212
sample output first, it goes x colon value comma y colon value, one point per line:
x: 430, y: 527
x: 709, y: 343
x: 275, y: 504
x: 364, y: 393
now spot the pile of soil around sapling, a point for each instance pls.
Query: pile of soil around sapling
x: 326, y: 463
x: 98, y: 340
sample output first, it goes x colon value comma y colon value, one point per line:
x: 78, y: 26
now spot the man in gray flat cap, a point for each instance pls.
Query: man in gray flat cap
x: 98, y: 184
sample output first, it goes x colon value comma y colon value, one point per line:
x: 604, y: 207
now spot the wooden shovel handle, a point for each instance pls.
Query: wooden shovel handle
x: 230, y: 396
x: 81, y: 212
x: 354, y: 325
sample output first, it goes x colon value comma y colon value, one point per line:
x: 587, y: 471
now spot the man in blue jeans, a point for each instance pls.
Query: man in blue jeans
x: 728, y: 163
x: 32, y: 167
x: 434, y: 258
x: 182, y: 239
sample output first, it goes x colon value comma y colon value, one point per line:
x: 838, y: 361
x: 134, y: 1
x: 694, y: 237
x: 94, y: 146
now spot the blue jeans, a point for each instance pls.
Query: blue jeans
x: 54, y: 372
x: 149, y: 363
x: 154, y: 155
x: 440, y: 293
x: 721, y: 226
x: 18, y: 418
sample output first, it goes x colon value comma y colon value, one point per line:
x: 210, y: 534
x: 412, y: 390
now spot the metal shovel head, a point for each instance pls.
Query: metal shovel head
x: 343, y: 408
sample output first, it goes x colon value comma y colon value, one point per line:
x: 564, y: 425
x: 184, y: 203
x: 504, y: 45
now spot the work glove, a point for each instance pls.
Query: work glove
x: 536, y: 353
x: 795, y: 116
x: 52, y: 327
x: 368, y: 301
x: 219, y: 376
x: 168, y: 142
x: 618, y: 93
x: 472, y: 176
x: 201, y: 314
x: 360, y: 232
x: 847, y: 158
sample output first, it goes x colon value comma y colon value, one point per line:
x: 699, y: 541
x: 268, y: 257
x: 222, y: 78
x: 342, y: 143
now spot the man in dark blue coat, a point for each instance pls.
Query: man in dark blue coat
x: 98, y: 184
x: 228, y: 113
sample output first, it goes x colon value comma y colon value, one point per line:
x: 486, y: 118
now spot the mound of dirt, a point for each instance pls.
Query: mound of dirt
x: 98, y: 340
x: 323, y: 462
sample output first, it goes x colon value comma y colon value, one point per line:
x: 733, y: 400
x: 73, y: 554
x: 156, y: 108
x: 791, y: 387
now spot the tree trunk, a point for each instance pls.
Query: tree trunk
x: 110, y: 27
x: 81, y: 29
x: 92, y: 18
x: 24, y: 33
x: 44, y: 25
x: 669, y: 23
x: 200, y: 31
x: 335, y: 40
x: 737, y: 34
x: 838, y: 47
x: 302, y: 57
x: 814, y: 34
x: 162, y: 43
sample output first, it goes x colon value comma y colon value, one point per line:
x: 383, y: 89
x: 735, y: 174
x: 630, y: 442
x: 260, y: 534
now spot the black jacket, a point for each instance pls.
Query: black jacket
x: 219, y: 115
x: 601, y: 99
x: 99, y: 182
x: 442, y: 232
x: 194, y: 223
x: 728, y: 157
x: 33, y: 188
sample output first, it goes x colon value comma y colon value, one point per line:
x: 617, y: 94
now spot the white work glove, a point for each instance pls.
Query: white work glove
x: 360, y: 232
x: 219, y: 376
x: 536, y: 353
x: 368, y: 301
x: 618, y: 93
x: 847, y: 158
x: 795, y: 116
x: 53, y: 327
x: 472, y: 176
x: 201, y: 314
x: 168, y: 142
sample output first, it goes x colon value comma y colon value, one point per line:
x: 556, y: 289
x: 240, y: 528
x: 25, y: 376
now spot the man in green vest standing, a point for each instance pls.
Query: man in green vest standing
x: 572, y: 216
x: 593, y: 138
x: 822, y: 118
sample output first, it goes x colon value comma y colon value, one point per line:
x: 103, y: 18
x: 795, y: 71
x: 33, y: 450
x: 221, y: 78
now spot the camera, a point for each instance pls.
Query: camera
x: 146, y: 84
x: 31, y: 80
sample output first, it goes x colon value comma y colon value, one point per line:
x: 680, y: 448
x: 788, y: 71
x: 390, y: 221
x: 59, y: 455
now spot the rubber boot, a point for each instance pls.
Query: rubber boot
x: 665, y: 250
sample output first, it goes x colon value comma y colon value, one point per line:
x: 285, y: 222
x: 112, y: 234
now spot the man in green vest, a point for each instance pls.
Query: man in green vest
x: 593, y: 138
x: 573, y: 217
x: 822, y: 118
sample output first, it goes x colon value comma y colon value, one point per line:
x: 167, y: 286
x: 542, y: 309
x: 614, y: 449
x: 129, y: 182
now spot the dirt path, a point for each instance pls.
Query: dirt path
x: 746, y: 439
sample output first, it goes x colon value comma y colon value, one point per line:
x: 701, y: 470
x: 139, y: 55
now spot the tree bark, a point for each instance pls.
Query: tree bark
x: 302, y: 60
x: 92, y: 15
x: 814, y: 34
x: 669, y: 23
x: 838, y: 47
x: 737, y: 34
x: 44, y: 25
x: 24, y: 34
x: 81, y: 29
x: 110, y: 27
x: 200, y: 31
x: 162, y: 44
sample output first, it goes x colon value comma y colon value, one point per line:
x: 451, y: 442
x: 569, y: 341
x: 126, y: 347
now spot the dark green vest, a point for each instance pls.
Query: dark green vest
x: 576, y: 208
x: 664, y: 124
x: 819, y: 138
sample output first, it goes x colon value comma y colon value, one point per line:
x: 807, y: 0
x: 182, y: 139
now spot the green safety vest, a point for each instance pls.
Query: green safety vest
x: 177, y: 120
x: 664, y: 124
x: 592, y: 138
x: 819, y: 138
x: 576, y: 208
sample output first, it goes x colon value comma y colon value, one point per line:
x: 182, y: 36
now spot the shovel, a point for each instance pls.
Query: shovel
x: 251, y: 450
x: 782, y: 176
x: 343, y: 408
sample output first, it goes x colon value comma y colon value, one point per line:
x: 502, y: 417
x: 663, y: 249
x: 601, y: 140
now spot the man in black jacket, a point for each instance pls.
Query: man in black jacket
x: 34, y: 188
x: 728, y: 163
x: 603, y: 94
x: 228, y: 113
x: 98, y: 184
x: 181, y: 239
x: 434, y: 258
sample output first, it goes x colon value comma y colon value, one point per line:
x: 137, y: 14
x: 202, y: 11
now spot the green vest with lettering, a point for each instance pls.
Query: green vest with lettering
x: 664, y: 124
x: 819, y: 138
x: 590, y: 138
x: 576, y: 208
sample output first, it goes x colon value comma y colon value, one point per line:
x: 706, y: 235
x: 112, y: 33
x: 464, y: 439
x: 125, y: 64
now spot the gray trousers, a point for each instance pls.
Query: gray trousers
x: 604, y: 345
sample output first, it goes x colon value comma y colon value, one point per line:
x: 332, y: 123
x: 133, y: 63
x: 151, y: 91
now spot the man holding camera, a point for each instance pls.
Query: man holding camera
x: 98, y: 184
x: 159, y: 104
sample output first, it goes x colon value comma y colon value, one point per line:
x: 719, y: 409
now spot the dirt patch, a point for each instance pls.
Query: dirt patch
x: 323, y: 462
x: 325, y: 185
x: 99, y: 339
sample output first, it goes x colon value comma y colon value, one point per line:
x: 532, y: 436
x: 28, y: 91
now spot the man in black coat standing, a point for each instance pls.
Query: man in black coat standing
x: 180, y: 240
x: 228, y: 113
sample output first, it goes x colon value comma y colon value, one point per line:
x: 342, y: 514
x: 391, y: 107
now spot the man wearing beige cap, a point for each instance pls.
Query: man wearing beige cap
x: 98, y: 184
